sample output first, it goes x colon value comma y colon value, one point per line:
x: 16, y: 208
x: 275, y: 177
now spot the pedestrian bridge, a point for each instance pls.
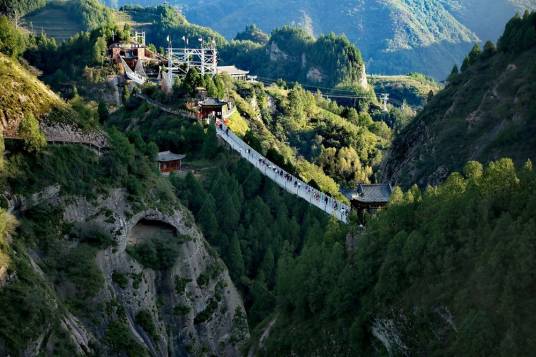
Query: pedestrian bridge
x: 285, y: 180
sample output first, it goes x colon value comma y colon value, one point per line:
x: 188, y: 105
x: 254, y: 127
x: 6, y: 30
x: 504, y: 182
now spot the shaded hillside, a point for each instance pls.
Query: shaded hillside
x: 484, y: 17
x: 486, y: 112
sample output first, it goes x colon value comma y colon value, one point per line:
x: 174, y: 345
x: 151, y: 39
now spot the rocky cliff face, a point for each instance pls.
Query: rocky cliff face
x: 194, y: 306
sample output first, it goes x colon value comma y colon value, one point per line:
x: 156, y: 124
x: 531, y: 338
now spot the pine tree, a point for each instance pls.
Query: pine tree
x: 103, y: 112
x: 465, y: 64
x: 489, y: 49
x: 267, y: 266
x: 474, y: 54
x: 236, y: 260
x: 210, y: 143
x: 454, y: 72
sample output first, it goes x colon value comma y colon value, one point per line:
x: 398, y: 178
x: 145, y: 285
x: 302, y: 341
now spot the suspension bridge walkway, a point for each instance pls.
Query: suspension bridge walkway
x: 282, y: 178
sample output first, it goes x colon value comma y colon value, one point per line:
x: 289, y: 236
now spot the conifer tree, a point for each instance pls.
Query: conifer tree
x: 236, y: 261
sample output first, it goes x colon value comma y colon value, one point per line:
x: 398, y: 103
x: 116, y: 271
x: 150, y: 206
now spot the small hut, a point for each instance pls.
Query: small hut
x: 169, y: 162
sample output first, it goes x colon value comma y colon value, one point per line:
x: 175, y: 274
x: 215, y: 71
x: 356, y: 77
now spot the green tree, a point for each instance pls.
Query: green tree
x: 31, y: 134
x: 236, y: 260
x: 453, y: 73
x: 99, y: 50
x: 103, y: 112
x: 12, y: 42
x: 210, y: 143
x: 489, y: 49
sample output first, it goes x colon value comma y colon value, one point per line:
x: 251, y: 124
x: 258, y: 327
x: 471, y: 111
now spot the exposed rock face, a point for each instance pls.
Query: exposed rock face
x: 195, y: 306
x: 276, y: 54
x: 315, y: 75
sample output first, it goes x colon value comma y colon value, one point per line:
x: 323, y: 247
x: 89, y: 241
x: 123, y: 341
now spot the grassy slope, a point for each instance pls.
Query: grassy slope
x: 485, y: 113
x: 22, y: 94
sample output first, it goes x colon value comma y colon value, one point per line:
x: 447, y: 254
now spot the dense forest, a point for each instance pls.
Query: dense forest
x: 18, y: 8
x: 442, y: 270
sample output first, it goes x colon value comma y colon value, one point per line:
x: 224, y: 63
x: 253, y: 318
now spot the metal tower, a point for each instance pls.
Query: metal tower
x: 204, y: 59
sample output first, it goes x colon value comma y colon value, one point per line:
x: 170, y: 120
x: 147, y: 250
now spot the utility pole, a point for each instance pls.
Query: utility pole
x: 384, y: 99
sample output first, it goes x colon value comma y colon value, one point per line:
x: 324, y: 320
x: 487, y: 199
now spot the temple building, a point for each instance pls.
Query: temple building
x: 169, y: 162
x: 368, y: 198
x: 234, y: 72
x: 212, y: 108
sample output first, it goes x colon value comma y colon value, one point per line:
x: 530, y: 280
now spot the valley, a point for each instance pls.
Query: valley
x: 167, y: 190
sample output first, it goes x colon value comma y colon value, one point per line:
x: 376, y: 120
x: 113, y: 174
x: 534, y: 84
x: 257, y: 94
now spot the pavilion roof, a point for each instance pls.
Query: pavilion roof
x: 232, y: 71
x: 166, y: 156
x: 377, y: 193
x: 212, y: 102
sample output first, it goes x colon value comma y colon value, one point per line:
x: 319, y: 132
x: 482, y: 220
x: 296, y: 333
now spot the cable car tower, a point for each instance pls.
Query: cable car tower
x: 384, y: 98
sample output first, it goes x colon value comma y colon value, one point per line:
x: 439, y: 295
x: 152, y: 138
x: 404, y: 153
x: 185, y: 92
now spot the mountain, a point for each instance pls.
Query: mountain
x: 395, y: 36
x: 486, y: 112
x: 486, y: 18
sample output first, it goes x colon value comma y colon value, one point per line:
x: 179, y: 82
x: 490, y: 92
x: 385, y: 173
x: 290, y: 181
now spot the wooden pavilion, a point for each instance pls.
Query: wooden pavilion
x: 169, y: 162
x: 369, y: 198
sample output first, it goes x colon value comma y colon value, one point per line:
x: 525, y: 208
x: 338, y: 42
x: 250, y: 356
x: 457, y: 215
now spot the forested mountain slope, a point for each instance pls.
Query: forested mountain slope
x: 486, y: 112
x: 487, y: 18
x: 18, y: 8
x: 446, y: 271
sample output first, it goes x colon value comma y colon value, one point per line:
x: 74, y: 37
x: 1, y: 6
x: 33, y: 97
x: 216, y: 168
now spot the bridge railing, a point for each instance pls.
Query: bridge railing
x: 285, y: 180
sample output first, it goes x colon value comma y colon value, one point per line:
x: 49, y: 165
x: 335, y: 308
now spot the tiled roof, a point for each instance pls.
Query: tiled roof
x: 169, y: 156
x: 212, y: 102
x: 379, y: 193
x: 232, y: 70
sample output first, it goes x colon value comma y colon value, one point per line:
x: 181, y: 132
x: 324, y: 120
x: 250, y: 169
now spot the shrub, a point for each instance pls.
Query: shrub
x: 29, y: 131
x: 159, y: 253
x: 145, y: 320
x: 120, y: 279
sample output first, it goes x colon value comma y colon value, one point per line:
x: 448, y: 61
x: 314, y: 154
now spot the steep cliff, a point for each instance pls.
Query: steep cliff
x: 109, y: 302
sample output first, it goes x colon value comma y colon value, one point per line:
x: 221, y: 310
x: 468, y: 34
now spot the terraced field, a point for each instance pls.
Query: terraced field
x: 55, y: 21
